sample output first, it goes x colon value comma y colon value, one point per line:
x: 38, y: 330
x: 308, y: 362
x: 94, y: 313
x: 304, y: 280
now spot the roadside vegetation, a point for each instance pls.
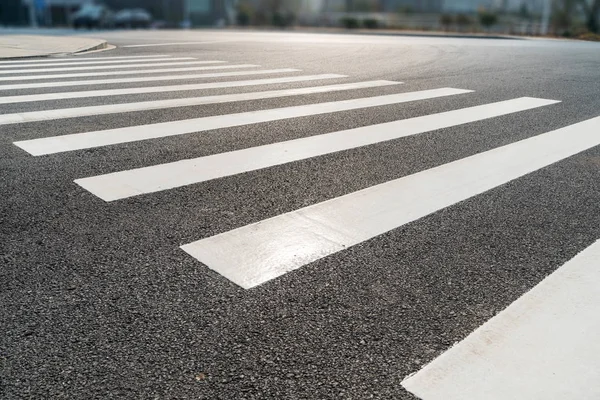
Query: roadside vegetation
x: 578, y: 19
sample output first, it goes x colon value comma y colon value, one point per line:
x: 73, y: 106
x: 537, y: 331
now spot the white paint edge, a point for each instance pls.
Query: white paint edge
x: 543, y: 346
x: 62, y: 84
x: 123, y: 184
x: 100, y: 61
x: 86, y: 140
x: 119, y: 66
x: 126, y: 72
x: 256, y: 253
x: 184, y: 102
x: 53, y: 59
x: 163, y: 89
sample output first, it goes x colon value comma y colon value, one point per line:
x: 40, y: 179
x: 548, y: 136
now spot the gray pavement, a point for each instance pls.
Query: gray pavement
x: 99, y: 301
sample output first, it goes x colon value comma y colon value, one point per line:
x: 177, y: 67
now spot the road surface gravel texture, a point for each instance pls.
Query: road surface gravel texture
x: 99, y: 300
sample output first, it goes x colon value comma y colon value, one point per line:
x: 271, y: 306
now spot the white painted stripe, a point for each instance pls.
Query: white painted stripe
x: 113, y: 73
x: 86, y: 140
x: 38, y: 85
x: 543, y: 346
x: 45, y: 60
x: 162, y: 89
x: 100, y: 61
x: 134, y: 182
x: 172, y: 44
x: 119, y: 66
x: 184, y: 102
x: 259, y: 252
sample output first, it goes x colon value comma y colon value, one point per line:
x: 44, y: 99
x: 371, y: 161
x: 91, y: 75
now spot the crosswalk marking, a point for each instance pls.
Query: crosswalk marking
x: 183, y: 102
x: 543, y: 346
x: 259, y: 252
x: 520, y: 354
x: 134, y: 182
x: 39, y: 85
x: 119, y: 66
x: 86, y: 140
x: 45, y: 60
x: 162, y: 89
x: 126, y: 72
x: 52, y: 63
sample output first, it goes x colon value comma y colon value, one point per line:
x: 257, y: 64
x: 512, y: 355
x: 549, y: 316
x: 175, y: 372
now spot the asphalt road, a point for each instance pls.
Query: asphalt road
x: 99, y: 301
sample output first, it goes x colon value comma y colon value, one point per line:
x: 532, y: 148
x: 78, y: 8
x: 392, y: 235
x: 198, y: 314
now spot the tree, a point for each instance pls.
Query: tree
x: 244, y: 13
x: 463, y: 20
x: 524, y: 11
x: 446, y: 20
x: 487, y: 19
x: 592, y: 12
x: 562, y: 14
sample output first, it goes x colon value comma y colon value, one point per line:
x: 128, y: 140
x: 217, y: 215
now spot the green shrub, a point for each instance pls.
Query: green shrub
x: 463, y: 20
x: 446, y: 20
x: 278, y: 19
x: 243, y: 18
x: 349, y: 22
x: 370, y: 23
x: 282, y: 20
x: 487, y: 19
x: 244, y: 13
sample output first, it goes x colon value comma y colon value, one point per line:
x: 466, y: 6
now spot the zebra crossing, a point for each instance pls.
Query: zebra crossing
x: 262, y: 251
x: 247, y: 255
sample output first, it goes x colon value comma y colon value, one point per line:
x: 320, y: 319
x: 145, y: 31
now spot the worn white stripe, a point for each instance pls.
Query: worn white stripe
x: 172, y: 44
x: 86, y: 140
x: 38, y: 85
x: 45, y: 60
x: 126, y: 72
x: 119, y: 66
x: 134, y: 182
x: 162, y: 89
x: 259, y: 252
x: 543, y: 346
x: 184, y: 102
x: 100, y: 61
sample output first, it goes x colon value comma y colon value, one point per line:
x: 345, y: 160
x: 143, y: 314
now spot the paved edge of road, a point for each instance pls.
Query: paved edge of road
x: 383, y: 32
x: 13, y: 47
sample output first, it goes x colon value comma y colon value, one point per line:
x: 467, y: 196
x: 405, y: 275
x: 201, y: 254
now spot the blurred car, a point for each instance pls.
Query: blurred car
x: 159, y: 25
x: 93, y: 16
x: 133, y: 18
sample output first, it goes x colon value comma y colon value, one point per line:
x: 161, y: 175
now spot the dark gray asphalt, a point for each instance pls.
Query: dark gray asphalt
x: 98, y: 301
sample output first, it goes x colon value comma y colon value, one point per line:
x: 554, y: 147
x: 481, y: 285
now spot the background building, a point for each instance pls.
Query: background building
x: 13, y: 12
x: 173, y: 12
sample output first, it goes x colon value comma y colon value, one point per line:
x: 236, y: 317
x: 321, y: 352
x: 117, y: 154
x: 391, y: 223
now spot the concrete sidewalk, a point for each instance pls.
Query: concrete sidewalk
x: 22, y: 46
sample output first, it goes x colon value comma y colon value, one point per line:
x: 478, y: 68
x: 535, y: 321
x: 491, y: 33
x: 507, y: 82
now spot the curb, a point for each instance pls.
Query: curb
x: 99, y: 46
x: 96, y: 47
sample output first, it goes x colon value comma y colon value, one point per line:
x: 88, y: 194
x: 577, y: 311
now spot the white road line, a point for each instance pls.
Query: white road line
x: 118, y: 185
x: 184, y: 102
x: 38, y: 85
x: 45, y: 60
x: 100, y: 61
x: 113, y: 73
x: 86, y: 140
x: 543, y: 346
x: 259, y: 252
x: 99, y: 67
x: 173, y: 44
x: 162, y: 89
